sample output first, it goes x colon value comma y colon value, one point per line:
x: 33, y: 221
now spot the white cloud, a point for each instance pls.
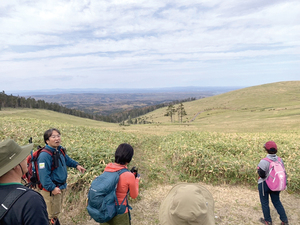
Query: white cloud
x: 85, y: 37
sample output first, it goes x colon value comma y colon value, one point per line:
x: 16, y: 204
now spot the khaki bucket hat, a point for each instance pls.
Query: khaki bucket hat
x: 11, y: 154
x: 187, y: 204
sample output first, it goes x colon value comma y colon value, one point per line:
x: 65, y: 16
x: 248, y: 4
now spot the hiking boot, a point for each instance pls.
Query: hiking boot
x: 285, y: 223
x: 265, y: 222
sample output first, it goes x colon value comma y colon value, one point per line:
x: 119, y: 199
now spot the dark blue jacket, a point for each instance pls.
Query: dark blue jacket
x: 29, y: 209
x: 57, y: 177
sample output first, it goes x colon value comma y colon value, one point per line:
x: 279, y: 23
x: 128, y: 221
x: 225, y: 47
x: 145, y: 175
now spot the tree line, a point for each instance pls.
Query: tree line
x: 11, y: 101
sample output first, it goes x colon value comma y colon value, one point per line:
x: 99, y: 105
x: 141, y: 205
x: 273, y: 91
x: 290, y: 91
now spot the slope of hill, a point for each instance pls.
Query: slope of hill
x: 56, y: 117
x: 273, y: 106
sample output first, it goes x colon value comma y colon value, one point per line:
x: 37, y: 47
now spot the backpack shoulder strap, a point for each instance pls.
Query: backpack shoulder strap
x: 126, y: 197
x: 280, y: 162
x: 46, y: 150
x: 63, y: 151
x: 122, y: 171
x: 279, y: 159
x: 43, y: 149
x: 10, y: 199
x: 267, y: 159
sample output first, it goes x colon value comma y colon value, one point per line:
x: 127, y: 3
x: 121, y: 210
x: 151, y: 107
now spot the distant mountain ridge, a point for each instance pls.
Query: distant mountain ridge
x: 207, y: 89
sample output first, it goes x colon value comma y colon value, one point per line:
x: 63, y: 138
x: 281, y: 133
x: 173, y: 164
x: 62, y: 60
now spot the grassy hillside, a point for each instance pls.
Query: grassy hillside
x: 269, y: 107
x: 261, y: 108
x: 236, y: 126
x: 43, y: 114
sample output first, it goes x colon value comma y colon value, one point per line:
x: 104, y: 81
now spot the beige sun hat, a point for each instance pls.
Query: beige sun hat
x: 11, y: 154
x: 187, y: 204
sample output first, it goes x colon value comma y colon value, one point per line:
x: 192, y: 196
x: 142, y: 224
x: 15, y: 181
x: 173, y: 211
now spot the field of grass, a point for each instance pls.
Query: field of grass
x: 269, y: 107
x: 221, y: 146
x: 42, y: 114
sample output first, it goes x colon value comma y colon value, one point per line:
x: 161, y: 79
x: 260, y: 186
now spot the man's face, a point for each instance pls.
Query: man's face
x: 54, y: 140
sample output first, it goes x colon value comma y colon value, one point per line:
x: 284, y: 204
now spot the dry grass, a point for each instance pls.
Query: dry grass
x: 233, y: 205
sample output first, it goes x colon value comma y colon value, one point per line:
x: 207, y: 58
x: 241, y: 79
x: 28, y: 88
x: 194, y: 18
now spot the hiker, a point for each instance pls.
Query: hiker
x: 127, y: 182
x: 18, y: 204
x: 264, y: 189
x: 187, y: 204
x: 54, y: 181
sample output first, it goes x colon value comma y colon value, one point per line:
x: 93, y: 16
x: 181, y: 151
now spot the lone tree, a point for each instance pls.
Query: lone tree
x: 180, y: 112
x: 129, y: 121
x: 170, y: 111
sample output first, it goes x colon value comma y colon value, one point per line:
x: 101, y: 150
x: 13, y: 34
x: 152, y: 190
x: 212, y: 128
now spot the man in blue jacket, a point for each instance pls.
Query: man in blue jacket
x: 53, y: 172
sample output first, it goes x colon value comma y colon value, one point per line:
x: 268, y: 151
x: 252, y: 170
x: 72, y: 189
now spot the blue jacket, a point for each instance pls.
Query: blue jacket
x: 58, y: 177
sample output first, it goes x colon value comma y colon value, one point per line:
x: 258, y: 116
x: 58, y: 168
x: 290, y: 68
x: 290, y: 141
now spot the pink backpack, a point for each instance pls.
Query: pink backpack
x: 276, y: 179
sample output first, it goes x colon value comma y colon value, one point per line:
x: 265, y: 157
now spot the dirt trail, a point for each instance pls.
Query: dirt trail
x: 195, y: 116
x: 233, y: 205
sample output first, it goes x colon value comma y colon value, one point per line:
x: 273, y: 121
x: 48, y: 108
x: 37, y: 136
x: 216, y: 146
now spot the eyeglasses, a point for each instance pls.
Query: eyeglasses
x: 55, y: 136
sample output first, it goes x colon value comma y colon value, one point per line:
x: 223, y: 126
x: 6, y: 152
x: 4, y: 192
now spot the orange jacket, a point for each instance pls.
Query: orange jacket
x: 126, y: 182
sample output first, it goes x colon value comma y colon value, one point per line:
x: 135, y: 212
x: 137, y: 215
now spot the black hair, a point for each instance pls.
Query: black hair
x: 48, y: 134
x: 124, y: 154
x: 271, y: 150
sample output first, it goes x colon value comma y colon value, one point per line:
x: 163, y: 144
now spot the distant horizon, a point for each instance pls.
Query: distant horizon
x: 55, y: 91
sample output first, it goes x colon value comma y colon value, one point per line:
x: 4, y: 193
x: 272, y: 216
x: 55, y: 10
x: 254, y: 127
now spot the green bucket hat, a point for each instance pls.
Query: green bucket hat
x: 11, y: 154
x: 187, y: 204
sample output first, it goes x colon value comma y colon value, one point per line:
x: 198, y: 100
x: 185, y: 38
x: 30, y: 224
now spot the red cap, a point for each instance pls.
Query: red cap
x: 270, y: 144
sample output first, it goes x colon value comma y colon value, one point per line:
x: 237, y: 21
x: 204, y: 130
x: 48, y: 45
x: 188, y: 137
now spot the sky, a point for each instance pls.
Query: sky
x: 68, y: 44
